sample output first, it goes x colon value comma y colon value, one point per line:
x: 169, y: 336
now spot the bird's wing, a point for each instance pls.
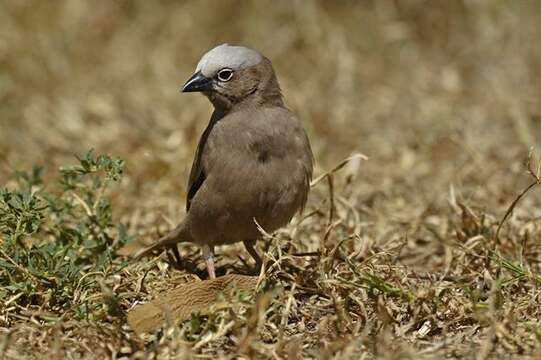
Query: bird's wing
x: 197, y: 173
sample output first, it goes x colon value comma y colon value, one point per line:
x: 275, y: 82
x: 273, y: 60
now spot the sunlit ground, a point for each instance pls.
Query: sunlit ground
x: 443, y: 97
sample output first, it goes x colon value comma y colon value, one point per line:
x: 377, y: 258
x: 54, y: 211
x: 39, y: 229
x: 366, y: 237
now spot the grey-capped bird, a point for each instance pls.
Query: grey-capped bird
x: 253, y: 162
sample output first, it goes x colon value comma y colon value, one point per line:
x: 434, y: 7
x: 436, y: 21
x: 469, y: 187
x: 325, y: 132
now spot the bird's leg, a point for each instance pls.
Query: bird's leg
x: 176, y: 254
x: 249, y: 245
x: 208, y: 255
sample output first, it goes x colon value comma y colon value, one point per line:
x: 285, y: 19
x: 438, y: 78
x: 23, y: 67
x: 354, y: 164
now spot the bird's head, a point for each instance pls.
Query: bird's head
x: 230, y: 75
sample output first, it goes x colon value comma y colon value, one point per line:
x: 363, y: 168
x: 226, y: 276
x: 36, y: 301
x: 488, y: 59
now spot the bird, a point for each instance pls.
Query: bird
x: 253, y: 164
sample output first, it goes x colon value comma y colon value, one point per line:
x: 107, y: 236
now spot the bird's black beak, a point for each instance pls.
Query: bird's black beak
x: 198, y: 82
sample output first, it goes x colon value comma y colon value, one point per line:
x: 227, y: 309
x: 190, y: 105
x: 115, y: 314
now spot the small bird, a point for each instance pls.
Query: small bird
x: 253, y: 164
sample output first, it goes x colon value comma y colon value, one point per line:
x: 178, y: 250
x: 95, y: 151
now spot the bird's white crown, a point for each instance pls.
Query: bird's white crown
x: 227, y: 56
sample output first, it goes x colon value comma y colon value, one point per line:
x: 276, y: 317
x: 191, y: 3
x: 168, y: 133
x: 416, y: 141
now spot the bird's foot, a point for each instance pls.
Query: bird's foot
x: 208, y: 255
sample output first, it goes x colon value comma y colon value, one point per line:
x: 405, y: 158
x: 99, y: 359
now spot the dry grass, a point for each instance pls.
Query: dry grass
x: 445, y: 99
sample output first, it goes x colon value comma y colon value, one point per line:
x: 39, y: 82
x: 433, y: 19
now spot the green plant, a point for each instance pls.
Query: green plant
x: 57, y: 238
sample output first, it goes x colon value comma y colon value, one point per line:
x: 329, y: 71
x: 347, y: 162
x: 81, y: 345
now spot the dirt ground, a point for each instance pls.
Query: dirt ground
x: 409, y: 254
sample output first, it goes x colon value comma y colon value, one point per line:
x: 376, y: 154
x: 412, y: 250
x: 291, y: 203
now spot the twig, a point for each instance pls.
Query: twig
x: 307, y: 254
x: 536, y: 176
x: 17, y: 266
x: 338, y: 167
x: 82, y: 203
x: 331, y: 199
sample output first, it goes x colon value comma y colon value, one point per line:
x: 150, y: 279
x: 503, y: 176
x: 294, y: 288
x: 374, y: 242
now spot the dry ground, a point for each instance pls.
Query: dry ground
x: 443, y: 96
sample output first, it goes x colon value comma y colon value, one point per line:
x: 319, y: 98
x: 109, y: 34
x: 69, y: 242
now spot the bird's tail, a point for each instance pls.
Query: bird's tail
x: 177, y: 235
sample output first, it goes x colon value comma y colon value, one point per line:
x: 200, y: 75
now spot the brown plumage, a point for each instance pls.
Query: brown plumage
x: 253, y: 162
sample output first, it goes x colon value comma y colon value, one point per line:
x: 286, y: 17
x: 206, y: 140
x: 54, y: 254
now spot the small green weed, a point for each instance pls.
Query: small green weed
x: 57, y: 238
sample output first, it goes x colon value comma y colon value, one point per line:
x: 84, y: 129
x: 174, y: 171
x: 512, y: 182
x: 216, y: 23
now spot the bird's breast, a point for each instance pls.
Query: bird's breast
x: 255, y: 172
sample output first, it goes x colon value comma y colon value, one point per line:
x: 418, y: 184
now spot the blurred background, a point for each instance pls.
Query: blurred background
x: 439, y: 94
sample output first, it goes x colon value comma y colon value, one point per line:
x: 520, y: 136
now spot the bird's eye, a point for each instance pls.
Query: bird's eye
x: 225, y: 74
